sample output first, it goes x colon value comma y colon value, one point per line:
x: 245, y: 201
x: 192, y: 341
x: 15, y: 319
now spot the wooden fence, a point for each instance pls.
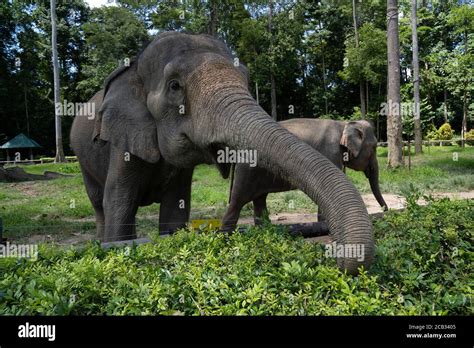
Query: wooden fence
x: 428, y: 142
x: 39, y: 161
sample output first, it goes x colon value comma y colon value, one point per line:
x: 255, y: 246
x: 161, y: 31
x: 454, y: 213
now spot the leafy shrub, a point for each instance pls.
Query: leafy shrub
x: 430, y: 131
x: 469, y: 136
x: 423, y: 266
x: 443, y: 133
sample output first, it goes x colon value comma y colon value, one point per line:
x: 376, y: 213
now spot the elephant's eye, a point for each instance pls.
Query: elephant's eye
x: 174, y: 85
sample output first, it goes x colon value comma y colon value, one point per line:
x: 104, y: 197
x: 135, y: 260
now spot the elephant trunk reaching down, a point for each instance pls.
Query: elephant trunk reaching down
x: 242, y: 124
x: 372, y: 173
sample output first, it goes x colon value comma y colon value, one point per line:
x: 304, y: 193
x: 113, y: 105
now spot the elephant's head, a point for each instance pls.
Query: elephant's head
x: 361, y: 143
x: 185, y: 97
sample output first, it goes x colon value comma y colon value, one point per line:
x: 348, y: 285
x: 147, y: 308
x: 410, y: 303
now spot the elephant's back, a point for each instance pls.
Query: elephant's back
x: 318, y: 133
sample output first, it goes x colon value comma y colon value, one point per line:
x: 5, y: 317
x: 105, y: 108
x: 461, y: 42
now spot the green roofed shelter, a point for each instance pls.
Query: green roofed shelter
x: 21, y: 141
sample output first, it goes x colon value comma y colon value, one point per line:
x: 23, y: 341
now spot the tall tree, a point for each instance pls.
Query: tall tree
x: 462, y: 18
x: 368, y: 62
x: 394, y: 120
x: 272, y: 77
x: 57, y: 92
x: 361, y: 82
x: 416, y: 78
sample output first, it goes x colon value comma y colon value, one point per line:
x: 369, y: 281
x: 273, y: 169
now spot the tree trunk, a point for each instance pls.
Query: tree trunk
x: 416, y: 79
x: 394, y: 121
x: 212, y: 25
x: 361, y: 84
x: 272, y: 77
x: 464, y: 119
x: 363, y: 110
x: 256, y: 92
x: 26, y: 111
x: 378, y: 114
x: 324, y: 82
x: 273, y: 97
x: 445, y: 105
x: 57, y: 96
x: 367, y: 96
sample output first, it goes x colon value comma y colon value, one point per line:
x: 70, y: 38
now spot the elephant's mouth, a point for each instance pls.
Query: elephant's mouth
x: 180, y: 151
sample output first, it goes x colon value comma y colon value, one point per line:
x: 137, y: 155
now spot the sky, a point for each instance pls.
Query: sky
x: 96, y: 3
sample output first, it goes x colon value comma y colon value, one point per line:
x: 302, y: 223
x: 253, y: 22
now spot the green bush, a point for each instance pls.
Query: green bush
x: 443, y: 133
x: 430, y: 131
x: 469, y: 136
x: 423, y: 266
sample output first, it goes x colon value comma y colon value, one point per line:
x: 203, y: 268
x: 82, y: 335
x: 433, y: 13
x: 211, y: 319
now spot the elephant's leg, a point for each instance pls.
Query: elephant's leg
x: 119, y: 210
x: 247, y: 181
x: 100, y: 221
x: 260, y: 211
x: 231, y: 217
x: 176, y: 202
x: 95, y: 192
x: 125, y: 178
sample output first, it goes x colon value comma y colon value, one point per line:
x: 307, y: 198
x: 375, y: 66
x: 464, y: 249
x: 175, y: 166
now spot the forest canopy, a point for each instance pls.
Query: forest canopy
x: 307, y: 47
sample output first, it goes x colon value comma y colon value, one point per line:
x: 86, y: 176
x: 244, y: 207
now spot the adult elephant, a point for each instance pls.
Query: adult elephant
x: 346, y: 144
x: 181, y: 101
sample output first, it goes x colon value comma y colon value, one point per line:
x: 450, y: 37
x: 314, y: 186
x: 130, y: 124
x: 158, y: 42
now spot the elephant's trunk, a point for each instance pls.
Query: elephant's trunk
x: 238, y: 122
x: 372, y: 173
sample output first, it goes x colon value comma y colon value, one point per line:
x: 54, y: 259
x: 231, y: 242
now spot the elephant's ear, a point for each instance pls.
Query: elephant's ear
x: 352, y: 138
x: 124, y: 120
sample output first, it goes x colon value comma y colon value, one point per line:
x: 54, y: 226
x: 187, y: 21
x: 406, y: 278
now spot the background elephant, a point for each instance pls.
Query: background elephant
x: 179, y: 103
x: 351, y: 144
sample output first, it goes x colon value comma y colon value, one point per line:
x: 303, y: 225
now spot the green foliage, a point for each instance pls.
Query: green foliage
x: 422, y: 267
x: 430, y: 248
x: 443, y: 133
x: 469, y: 136
x: 427, y: 115
x: 431, y: 132
x: 367, y: 62
x: 25, y: 34
x: 304, y: 50
x: 113, y: 34
x: 462, y: 18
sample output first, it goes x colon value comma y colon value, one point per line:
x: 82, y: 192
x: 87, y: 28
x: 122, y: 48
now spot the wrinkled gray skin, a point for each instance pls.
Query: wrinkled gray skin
x: 333, y: 139
x: 139, y: 113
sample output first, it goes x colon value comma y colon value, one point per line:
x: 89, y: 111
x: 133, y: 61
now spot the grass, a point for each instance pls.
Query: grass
x: 438, y: 169
x: 61, y: 207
